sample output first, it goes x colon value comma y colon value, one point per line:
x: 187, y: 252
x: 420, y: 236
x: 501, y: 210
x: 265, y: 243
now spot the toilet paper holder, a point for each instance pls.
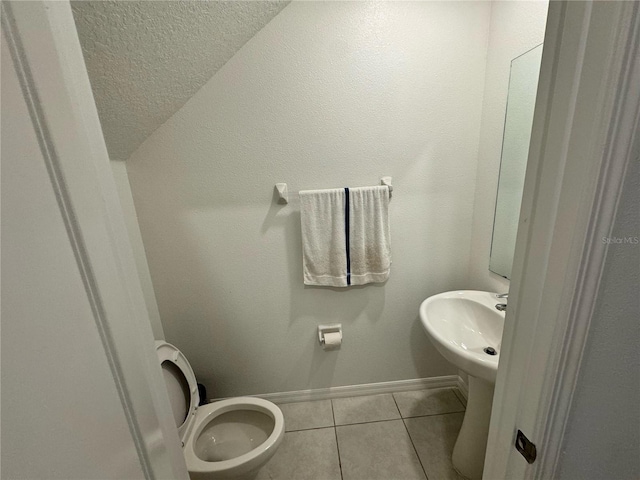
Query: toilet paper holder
x: 332, y: 328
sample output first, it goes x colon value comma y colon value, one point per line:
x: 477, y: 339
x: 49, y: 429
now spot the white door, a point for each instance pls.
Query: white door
x: 82, y: 391
x: 585, y: 125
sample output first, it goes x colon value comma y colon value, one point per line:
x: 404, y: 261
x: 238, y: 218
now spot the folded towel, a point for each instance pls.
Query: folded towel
x: 370, y: 241
x: 345, y: 236
x: 322, y: 215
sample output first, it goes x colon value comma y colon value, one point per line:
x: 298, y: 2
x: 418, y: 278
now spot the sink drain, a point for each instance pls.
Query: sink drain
x: 490, y: 351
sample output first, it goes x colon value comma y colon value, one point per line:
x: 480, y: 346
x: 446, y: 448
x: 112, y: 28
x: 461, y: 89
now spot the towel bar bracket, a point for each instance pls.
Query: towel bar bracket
x: 283, y: 192
x: 386, y: 181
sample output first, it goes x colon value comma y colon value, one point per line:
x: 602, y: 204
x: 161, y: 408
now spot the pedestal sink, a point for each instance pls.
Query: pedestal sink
x: 466, y: 329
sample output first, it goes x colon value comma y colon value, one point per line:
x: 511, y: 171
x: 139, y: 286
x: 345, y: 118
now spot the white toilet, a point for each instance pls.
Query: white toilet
x: 228, y: 439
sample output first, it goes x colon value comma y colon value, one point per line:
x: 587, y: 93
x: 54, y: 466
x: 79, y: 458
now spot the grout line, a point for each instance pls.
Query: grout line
x: 335, y: 432
x: 411, y: 439
x: 433, y: 414
x: 393, y: 419
x: 310, y: 428
x: 333, y: 414
x: 370, y: 421
x: 396, y: 404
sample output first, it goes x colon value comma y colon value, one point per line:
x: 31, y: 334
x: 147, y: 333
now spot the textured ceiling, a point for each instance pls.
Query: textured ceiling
x: 147, y: 58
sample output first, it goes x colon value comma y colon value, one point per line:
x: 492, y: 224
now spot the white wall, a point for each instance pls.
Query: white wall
x: 119, y: 169
x: 515, y: 28
x: 326, y: 95
x: 602, y: 437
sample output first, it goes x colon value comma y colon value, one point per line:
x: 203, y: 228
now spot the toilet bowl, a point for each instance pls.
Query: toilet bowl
x: 227, y: 439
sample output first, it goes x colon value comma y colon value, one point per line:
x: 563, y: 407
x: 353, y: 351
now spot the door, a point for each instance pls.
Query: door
x: 82, y: 391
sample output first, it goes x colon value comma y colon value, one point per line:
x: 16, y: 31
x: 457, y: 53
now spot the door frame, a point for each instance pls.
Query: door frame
x: 587, y: 114
x: 46, y: 53
x: 584, y: 122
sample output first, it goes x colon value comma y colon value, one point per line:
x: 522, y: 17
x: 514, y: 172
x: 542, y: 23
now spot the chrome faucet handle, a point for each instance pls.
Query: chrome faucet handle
x: 503, y: 295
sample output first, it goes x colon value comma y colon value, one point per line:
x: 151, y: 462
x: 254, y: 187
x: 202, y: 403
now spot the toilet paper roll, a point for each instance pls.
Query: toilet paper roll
x: 332, y: 340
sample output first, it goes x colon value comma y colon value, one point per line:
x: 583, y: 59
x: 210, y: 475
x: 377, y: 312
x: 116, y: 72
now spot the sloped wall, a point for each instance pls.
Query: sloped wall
x: 146, y: 59
x: 326, y: 95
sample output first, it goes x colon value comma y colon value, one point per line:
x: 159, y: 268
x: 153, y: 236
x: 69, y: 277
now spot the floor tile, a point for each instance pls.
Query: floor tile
x: 305, y: 415
x: 434, y: 438
x: 304, y: 455
x: 378, y: 451
x: 370, y: 408
x: 428, y: 402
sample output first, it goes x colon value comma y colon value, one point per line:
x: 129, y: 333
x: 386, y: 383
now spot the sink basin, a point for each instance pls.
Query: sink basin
x: 466, y: 328
x: 461, y: 325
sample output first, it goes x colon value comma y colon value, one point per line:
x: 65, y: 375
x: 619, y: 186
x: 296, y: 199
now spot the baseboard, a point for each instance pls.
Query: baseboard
x: 463, y: 387
x: 365, y: 389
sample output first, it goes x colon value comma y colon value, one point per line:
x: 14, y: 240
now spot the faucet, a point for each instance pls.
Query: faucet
x: 501, y: 307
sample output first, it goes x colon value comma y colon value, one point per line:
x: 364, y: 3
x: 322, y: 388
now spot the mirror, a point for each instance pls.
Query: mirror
x: 521, y: 99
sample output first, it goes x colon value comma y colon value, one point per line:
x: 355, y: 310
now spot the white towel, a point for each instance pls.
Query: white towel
x: 369, y: 237
x: 330, y: 257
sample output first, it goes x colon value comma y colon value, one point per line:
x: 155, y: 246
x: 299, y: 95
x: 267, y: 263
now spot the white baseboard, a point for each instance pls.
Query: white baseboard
x: 365, y: 389
x: 463, y: 386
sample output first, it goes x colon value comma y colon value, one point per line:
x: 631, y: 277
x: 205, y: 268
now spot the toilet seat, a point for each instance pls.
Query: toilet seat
x: 169, y: 353
x: 242, y: 463
x: 192, y: 420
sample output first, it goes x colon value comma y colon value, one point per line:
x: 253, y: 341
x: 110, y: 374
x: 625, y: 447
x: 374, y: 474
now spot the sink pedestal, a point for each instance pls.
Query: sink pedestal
x: 471, y: 445
x: 462, y: 325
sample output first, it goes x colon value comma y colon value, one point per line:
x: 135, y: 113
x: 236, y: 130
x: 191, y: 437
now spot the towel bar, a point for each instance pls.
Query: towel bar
x: 283, y: 192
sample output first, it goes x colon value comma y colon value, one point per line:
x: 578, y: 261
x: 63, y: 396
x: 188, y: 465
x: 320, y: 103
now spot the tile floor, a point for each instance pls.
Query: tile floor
x: 393, y: 436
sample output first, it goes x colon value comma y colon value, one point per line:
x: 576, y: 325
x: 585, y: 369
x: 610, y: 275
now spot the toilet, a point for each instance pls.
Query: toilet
x: 227, y: 439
